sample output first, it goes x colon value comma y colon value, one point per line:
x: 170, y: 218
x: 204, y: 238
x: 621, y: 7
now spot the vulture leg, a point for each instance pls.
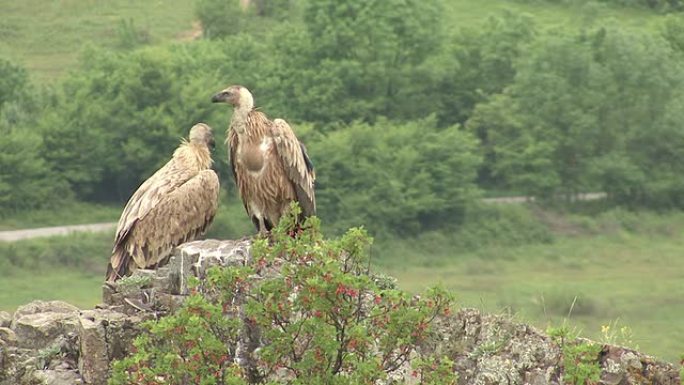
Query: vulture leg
x: 255, y: 221
x: 268, y: 225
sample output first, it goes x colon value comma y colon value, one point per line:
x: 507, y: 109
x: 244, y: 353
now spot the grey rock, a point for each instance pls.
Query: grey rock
x: 94, y: 361
x: 5, y: 319
x: 8, y: 336
x: 195, y: 258
x: 48, y: 341
x: 43, y: 307
x: 40, y: 330
x: 55, y: 377
x: 104, y: 335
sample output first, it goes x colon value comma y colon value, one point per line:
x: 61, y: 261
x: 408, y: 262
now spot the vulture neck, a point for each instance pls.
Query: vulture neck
x: 196, y: 155
x: 240, y: 115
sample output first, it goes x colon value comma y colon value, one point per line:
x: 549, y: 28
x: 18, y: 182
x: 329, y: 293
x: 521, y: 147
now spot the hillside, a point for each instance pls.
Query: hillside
x: 48, y: 41
x: 411, y: 112
x: 47, y: 36
x: 57, y: 342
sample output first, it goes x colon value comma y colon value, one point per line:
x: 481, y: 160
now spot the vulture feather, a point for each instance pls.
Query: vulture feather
x: 173, y: 206
x: 270, y: 166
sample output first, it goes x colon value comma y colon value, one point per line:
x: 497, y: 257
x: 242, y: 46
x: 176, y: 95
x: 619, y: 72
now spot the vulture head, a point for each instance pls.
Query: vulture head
x: 237, y: 96
x: 201, y: 133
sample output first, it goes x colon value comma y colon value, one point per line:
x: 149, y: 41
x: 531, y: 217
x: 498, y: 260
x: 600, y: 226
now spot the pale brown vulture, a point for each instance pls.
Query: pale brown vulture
x: 270, y: 165
x: 173, y: 206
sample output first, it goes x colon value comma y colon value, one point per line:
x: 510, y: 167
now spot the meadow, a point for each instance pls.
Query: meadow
x: 48, y: 42
x: 606, y: 271
x: 47, y: 36
x: 592, y: 271
x: 590, y: 266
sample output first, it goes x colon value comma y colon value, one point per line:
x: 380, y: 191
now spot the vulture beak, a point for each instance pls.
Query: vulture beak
x: 220, y: 97
x: 212, y: 144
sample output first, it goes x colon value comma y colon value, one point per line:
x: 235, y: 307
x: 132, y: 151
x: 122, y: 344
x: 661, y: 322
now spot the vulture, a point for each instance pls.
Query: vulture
x: 270, y: 166
x: 173, y: 206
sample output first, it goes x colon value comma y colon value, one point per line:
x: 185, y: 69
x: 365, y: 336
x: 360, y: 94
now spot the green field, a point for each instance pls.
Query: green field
x: 73, y: 213
x: 620, y: 266
x: 634, y: 278
x: 465, y: 13
x: 47, y: 36
x: 625, y: 268
x: 49, y: 41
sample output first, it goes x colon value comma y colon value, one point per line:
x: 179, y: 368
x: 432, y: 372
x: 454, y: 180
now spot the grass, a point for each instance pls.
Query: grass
x: 619, y: 265
x: 69, y: 268
x: 75, y: 213
x: 466, y: 13
x: 72, y: 268
x: 47, y: 35
x: 77, y: 288
x: 610, y: 272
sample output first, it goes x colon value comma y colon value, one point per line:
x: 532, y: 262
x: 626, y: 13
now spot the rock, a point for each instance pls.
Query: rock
x: 47, y: 341
x: 55, y: 377
x: 195, y: 258
x: 44, y: 307
x: 8, y: 337
x: 493, y: 349
x: 93, y: 362
x: 104, y: 336
x: 5, y: 319
x: 40, y: 330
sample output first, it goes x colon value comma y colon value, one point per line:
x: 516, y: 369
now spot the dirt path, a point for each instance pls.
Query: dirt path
x: 15, y: 235
x: 582, y: 197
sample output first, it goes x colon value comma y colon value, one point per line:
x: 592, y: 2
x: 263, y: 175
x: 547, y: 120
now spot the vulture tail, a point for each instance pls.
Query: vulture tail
x: 120, y: 259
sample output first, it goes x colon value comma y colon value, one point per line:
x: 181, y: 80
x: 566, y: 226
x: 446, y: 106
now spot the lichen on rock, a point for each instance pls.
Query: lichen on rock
x: 56, y: 343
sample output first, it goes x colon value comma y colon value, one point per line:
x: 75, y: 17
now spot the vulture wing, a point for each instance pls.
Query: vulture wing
x: 297, y: 164
x: 181, y: 215
x: 232, y: 141
x: 183, y: 195
x: 149, y: 194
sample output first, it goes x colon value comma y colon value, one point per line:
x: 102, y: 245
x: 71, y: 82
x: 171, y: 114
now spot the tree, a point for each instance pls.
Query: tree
x: 221, y: 18
x: 13, y: 82
x: 397, y: 178
x: 321, y: 317
x: 359, y: 59
x: 479, y: 63
x: 571, y: 120
x: 26, y: 180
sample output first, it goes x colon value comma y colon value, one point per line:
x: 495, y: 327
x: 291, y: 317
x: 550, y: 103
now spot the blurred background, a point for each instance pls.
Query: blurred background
x: 423, y: 118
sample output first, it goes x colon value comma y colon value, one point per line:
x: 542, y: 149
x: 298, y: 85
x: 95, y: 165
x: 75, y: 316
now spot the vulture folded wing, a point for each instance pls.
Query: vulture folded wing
x: 232, y: 141
x: 181, y: 215
x: 149, y: 194
x: 298, y: 166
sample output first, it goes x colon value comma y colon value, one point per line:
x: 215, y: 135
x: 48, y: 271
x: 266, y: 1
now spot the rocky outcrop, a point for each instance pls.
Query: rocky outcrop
x: 55, y: 343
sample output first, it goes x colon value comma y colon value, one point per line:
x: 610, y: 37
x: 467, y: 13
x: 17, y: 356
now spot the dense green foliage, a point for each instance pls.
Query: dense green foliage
x: 324, y: 317
x: 658, y: 5
x: 88, y: 253
x: 427, y: 183
x: 580, y: 358
x: 405, y: 118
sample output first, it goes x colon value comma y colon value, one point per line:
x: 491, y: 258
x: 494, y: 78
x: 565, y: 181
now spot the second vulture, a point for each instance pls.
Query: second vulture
x: 173, y: 206
x: 270, y: 166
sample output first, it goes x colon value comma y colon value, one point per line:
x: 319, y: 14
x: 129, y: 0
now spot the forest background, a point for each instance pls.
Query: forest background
x: 413, y: 111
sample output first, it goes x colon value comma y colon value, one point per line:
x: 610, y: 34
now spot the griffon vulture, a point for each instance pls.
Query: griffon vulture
x: 173, y: 206
x: 270, y: 166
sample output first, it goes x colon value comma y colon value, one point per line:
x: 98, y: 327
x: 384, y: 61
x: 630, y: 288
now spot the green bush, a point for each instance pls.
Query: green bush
x: 221, y: 18
x: 580, y: 358
x: 595, y: 110
x: 392, y: 177
x: 86, y: 252
x: 324, y: 318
